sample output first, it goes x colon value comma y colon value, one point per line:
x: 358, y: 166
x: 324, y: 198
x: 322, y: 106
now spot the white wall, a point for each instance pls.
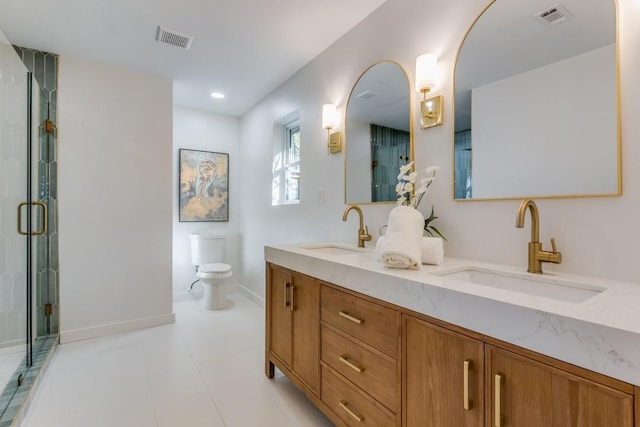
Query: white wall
x: 115, y: 181
x: 529, y: 119
x: 598, y: 236
x: 197, y: 130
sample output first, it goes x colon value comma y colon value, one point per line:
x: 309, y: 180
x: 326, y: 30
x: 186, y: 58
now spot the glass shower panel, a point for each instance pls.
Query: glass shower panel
x: 14, y: 116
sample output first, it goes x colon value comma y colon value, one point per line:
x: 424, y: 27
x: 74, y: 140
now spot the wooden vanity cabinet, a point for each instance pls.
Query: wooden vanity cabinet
x: 365, y: 362
x: 360, y: 359
x: 443, y: 377
x: 522, y: 392
x: 292, y: 332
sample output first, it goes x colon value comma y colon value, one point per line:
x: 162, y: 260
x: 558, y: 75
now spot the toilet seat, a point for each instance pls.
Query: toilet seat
x: 217, y: 270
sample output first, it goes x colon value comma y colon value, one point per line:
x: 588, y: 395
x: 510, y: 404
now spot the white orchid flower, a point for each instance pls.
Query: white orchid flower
x: 432, y: 170
x: 404, y: 169
x: 426, y: 182
x: 410, y: 193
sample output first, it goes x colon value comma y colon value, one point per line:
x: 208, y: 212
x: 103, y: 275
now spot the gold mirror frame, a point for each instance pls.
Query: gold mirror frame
x: 618, y: 124
x: 346, y: 128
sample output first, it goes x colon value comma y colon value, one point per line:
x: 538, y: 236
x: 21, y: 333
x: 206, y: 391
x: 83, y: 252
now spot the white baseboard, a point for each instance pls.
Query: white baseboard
x: 252, y: 296
x: 115, y: 328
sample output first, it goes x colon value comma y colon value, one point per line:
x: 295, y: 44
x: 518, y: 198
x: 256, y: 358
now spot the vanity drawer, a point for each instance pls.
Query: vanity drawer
x: 372, y: 371
x: 371, y: 323
x: 351, y: 405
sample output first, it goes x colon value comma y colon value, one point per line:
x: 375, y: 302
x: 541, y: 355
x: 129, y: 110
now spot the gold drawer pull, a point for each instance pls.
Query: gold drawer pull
x: 344, y: 405
x: 345, y: 359
x: 467, y: 366
x: 293, y: 298
x: 497, y: 401
x: 353, y: 319
x: 286, y: 294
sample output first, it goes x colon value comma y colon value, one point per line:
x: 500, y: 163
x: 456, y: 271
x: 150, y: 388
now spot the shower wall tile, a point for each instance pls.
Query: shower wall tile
x: 38, y: 68
x: 51, y: 71
x: 54, y: 264
x: 53, y: 183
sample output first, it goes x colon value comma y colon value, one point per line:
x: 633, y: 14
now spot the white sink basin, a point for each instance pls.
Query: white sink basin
x: 547, y: 287
x: 332, y: 249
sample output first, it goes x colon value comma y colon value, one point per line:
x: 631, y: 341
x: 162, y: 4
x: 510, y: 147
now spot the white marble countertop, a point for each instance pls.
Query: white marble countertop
x: 601, y: 334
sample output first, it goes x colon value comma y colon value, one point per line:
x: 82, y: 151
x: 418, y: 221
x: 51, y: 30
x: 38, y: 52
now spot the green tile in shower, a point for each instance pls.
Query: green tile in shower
x: 54, y: 264
x: 51, y: 68
x: 53, y: 180
x: 43, y: 150
x: 52, y: 216
x: 42, y: 252
x: 43, y: 187
x: 38, y: 69
x: 53, y: 105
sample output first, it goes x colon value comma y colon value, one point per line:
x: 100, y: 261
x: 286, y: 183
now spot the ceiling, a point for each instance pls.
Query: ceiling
x: 243, y: 48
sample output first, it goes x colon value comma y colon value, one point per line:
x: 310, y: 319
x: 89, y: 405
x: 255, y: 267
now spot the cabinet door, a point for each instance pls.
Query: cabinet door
x: 280, y: 313
x: 443, y: 375
x: 305, y: 295
x: 528, y: 393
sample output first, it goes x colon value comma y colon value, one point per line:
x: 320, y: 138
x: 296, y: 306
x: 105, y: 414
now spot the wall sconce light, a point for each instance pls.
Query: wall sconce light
x: 431, y: 109
x: 329, y: 121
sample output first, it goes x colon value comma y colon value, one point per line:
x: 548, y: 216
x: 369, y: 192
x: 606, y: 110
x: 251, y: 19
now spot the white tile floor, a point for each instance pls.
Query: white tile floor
x: 207, y: 369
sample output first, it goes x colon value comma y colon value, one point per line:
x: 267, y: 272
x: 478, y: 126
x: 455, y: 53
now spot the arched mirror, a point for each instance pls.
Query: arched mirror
x: 536, y: 102
x: 379, y: 136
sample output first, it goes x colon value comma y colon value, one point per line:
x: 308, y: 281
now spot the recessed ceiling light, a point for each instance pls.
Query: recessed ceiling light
x: 217, y: 95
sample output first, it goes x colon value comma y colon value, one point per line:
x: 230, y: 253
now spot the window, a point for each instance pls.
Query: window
x: 286, y: 164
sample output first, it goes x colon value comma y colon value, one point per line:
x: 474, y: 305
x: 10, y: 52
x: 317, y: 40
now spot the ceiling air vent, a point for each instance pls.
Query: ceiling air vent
x: 554, y: 15
x: 173, y: 38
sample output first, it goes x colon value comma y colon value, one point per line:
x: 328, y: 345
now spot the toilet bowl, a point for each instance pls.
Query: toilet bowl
x: 212, y: 278
x: 207, y: 251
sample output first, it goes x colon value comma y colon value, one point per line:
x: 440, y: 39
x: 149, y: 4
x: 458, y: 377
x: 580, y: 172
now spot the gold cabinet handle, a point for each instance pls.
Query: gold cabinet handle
x: 286, y: 294
x: 467, y: 366
x: 345, y: 405
x: 349, y: 317
x: 293, y: 298
x: 345, y: 359
x: 497, y: 400
x: 43, y: 230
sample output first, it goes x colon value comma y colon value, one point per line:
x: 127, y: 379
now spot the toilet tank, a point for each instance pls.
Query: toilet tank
x: 206, y: 248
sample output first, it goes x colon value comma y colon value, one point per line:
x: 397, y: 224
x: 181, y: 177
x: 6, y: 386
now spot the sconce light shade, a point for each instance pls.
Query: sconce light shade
x: 329, y: 116
x: 426, y: 71
x: 329, y: 121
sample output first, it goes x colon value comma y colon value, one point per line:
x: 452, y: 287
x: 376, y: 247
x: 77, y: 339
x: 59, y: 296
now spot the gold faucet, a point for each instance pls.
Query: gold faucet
x: 536, y: 255
x: 363, y: 232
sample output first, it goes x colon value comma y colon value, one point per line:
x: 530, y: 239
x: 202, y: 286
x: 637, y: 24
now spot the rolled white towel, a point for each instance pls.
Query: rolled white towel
x: 431, y: 250
x: 401, y: 246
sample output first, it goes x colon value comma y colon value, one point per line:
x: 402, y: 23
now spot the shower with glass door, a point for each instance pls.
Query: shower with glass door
x: 28, y: 223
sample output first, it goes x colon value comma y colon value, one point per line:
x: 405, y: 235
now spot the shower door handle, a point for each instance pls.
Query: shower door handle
x: 43, y: 230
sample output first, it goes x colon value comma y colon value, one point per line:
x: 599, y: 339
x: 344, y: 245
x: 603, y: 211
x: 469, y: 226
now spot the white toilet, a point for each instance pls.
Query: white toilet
x: 207, y: 251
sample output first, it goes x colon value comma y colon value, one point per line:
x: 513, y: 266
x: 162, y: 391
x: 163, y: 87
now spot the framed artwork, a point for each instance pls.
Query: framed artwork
x: 204, y: 186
